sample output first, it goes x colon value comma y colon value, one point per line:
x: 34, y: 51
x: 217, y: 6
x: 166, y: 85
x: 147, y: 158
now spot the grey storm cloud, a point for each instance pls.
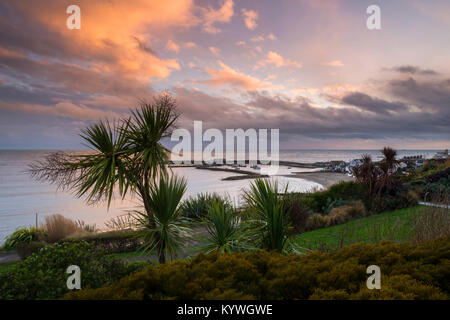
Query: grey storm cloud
x: 359, y: 114
x: 426, y: 95
x: 67, y: 79
x: 298, y: 117
x: 413, y: 70
x: 144, y: 47
x: 365, y: 102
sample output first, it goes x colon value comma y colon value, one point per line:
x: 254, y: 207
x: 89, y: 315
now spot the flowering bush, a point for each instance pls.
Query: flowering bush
x: 407, y: 272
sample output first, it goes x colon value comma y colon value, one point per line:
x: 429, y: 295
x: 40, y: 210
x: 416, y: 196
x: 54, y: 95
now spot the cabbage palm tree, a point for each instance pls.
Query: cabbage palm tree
x: 367, y: 174
x: 388, y: 165
x: 126, y: 157
x: 267, y: 227
x: 164, y: 230
x: 222, y: 226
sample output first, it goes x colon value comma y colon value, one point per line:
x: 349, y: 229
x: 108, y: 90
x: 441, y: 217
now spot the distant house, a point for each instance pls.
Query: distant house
x: 355, y: 163
x: 402, y: 165
x: 352, y: 164
x: 442, y: 155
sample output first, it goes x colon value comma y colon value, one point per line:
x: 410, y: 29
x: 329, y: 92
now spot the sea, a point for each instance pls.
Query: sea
x: 25, y: 202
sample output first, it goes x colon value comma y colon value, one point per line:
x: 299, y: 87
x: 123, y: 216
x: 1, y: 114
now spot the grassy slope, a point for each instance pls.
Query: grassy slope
x: 393, y: 225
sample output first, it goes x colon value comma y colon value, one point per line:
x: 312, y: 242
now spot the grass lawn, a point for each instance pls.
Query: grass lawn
x: 393, y: 225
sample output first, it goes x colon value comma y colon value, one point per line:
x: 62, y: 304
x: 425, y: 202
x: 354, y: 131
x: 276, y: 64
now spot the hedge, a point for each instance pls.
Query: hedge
x: 43, y: 275
x: 336, y: 195
x: 408, y: 272
x: 111, y: 241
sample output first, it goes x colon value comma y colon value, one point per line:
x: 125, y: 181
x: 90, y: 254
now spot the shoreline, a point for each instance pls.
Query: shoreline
x: 326, y: 179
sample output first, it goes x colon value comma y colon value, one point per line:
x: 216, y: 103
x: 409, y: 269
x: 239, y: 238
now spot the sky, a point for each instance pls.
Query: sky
x: 311, y: 69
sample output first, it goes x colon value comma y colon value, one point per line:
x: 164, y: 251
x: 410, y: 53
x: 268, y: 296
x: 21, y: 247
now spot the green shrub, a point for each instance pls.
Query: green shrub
x: 336, y: 195
x: 297, y: 213
x: 111, y: 241
x: 23, y: 235
x: 393, y: 201
x: 353, y: 210
x: 437, y: 176
x: 408, y: 272
x: 222, y: 227
x: 27, y: 249
x: 316, y: 221
x: 197, y: 207
x: 267, y: 226
x: 437, y: 191
x: 43, y: 275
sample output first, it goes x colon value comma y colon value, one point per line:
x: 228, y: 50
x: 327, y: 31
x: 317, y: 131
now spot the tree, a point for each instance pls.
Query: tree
x: 367, y: 174
x: 377, y: 178
x: 267, y: 227
x: 222, y: 226
x: 388, y: 165
x: 164, y: 230
x: 126, y: 157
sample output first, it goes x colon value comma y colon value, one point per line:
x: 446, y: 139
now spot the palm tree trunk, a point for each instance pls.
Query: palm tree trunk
x: 145, y: 196
x: 162, y: 257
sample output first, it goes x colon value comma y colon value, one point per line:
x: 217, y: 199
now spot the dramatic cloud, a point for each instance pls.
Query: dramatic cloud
x: 54, y: 80
x: 431, y: 95
x: 172, y: 46
x: 61, y: 109
x: 375, y: 105
x: 215, y: 51
x: 298, y: 117
x: 229, y: 76
x: 250, y: 17
x: 264, y: 37
x: 414, y: 70
x: 221, y: 15
x: 277, y: 60
x: 109, y: 40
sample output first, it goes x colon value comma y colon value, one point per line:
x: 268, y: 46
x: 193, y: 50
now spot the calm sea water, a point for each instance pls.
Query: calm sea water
x: 21, y: 198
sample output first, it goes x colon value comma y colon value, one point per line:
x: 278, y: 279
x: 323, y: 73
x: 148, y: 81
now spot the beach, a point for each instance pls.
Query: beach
x: 326, y: 179
x: 323, y: 178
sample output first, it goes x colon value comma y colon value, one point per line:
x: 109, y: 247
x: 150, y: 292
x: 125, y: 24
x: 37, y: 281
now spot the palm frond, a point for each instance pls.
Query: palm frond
x: 164, y: 230
x: 268, y: 226
x: 107, y: 168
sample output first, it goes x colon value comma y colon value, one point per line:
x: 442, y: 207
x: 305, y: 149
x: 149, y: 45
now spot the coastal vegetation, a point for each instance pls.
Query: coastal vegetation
x: 43, y: 274
x: 273, y: 245
x: 127, y: 157
x: 164, y: 230
x: 409, y: 272
x: 403, y: 225
x: 196, y: 207
x: 431, y: 181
